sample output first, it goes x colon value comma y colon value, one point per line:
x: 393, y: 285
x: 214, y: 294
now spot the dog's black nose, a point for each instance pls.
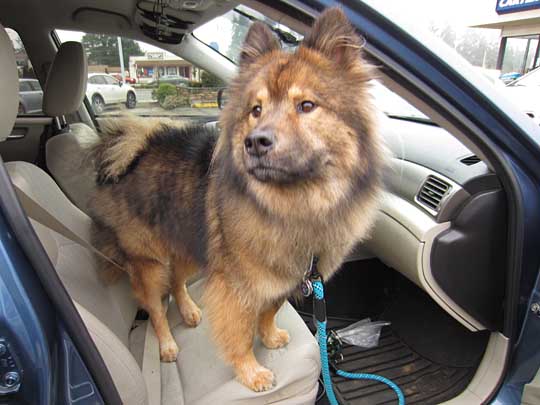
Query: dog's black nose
x: 259, y: 143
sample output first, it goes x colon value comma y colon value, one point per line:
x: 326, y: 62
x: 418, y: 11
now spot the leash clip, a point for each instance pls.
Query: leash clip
x: 311, y: 274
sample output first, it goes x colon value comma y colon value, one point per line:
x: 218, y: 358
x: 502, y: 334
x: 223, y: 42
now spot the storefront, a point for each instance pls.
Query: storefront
x: 154, y: 65
x: 519, y: 25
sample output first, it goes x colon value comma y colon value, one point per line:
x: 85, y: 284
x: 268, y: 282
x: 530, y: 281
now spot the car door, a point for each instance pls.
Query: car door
x: 115, y: 91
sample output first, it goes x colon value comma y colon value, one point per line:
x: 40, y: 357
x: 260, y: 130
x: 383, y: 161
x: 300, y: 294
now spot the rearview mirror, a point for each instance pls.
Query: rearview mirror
x: 222, y: 97
x: 120, y: 83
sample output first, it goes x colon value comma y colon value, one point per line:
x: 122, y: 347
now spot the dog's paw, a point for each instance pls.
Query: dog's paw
x: 258, y: 379
x: 277, y: 339
x: 168, y: 352
x: 192, y: 315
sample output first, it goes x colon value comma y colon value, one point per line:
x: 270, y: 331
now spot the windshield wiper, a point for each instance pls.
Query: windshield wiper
x: 421, y: 120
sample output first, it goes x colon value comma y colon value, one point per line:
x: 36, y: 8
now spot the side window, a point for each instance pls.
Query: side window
x: 24, y: 86
x: 156, y: 82
x: 30, y: 101
x: 110, y: 80
x: 35, y: 85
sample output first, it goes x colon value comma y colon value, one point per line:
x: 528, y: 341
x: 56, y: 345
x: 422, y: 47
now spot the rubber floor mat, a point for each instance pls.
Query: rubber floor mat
x: 421, y: 380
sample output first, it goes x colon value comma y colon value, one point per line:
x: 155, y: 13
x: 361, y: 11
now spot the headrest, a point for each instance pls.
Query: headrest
x: 66, y: 82
x: 9, y: 85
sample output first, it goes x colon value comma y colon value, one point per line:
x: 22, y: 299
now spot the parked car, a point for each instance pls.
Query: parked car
x: 103, y: 89
x: 510, y: 77
x: 525, y: 93
x: 30, y: 96
x: 174, y: 79
x: 452, y: 261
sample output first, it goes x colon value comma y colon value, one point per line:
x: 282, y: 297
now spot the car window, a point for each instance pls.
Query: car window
x: 35, y: 85
x: 110, y: 80
x: 29, y: 101
x: 157, y: 82
x: 24, y: 86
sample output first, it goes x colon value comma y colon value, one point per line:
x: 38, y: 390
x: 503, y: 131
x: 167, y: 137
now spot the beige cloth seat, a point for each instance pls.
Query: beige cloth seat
x: 199, y: 376
x: 67, y: 153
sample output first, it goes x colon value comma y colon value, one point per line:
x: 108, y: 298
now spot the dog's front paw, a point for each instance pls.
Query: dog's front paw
x: 168, y: 351
x: 277, y: 339
x: 258, y: 379
x: 191, y: 314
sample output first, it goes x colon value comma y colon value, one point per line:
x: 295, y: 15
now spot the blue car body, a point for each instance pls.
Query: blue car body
x: 33, y: 321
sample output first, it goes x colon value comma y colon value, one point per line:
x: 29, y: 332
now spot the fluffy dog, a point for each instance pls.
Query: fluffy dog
x: 294, y: 172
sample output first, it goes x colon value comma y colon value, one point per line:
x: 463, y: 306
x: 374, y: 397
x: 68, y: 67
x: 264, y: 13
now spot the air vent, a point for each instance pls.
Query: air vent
x: 432, y: 192
x: 470, y: 160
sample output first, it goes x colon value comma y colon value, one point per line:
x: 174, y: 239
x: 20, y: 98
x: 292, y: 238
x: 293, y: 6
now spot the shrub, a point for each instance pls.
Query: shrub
x: 164, y: 90
x: 210, y: 80
x: 171, y: 102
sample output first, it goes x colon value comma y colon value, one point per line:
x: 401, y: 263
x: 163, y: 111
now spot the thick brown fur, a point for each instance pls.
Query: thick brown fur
x: 186, y: 198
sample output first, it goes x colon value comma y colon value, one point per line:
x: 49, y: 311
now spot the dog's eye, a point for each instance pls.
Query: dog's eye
x: 306, y: 106
x: 256, y: 111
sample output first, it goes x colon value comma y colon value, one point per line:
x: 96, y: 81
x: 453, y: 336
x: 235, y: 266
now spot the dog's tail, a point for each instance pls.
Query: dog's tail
x: 123, y: 140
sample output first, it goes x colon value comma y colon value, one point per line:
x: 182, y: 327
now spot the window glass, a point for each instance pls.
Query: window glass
x: 35, y: 85
x: 110, y: 80
x: 24, y: 86
x: 226, y: 33
x: 30, y: 101
x: 519, y: 54
x: 157, y: 82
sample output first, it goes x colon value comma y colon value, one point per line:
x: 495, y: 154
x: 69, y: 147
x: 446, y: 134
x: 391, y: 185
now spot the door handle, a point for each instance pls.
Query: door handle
x: 15, y: 136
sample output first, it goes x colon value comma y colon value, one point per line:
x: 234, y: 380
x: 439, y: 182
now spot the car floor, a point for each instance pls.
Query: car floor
x: 425, y: 351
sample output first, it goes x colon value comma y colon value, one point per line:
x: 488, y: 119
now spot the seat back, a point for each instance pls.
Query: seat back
x: 67, y: 153
x: 9, y: 85
x: 108, y: 311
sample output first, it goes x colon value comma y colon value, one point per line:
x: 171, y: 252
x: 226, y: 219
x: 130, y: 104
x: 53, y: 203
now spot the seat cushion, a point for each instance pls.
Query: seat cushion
x: 205, y: 379
x: 69, y: 163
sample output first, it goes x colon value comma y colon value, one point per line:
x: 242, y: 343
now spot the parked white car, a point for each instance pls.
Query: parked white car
x: 103, y: 89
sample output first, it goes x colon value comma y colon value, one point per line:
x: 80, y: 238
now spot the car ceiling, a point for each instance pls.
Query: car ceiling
x: 111, y: 17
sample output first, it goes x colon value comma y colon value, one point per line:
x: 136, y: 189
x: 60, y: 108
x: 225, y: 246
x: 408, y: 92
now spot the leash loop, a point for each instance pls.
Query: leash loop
x: 319, y: 313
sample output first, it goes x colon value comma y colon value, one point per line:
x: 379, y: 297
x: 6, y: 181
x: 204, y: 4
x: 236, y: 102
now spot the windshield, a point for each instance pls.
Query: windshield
x: 226, y: 34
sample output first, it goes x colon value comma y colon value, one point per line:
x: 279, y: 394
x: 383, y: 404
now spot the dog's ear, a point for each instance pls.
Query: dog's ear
x: 335, y: 37
x: 259, y: 40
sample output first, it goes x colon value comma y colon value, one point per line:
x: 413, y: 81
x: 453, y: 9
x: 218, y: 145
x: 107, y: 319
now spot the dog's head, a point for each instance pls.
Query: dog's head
x: 299, y: 125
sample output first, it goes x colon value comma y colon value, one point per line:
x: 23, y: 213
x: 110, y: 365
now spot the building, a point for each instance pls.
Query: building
x: 519, y: 25
x: 153, y: 65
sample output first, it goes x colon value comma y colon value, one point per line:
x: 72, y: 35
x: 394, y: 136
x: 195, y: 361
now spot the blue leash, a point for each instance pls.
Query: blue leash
x: 319, y: 312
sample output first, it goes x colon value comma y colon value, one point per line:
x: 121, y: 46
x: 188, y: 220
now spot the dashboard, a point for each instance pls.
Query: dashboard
x: 442, y: 222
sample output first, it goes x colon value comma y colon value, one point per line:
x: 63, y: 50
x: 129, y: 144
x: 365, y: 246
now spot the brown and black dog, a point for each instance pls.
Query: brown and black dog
x: 294, y: 172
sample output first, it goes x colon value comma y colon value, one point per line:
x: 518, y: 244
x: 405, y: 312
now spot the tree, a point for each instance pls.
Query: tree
x: 210, y: 80
x: 103, y: 49
x: 473, y: 44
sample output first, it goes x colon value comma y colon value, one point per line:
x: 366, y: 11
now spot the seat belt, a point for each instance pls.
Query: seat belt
x: 151, y: 363
x: 41, y: 215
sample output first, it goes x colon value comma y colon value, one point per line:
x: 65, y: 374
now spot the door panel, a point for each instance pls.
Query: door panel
x: 23, y: 142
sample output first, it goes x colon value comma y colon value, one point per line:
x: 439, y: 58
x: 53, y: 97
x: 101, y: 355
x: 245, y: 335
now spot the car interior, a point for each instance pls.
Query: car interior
x: 434, y: 266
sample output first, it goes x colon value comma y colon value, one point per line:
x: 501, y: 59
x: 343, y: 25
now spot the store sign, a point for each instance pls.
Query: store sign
x: 154, y: 55
x: 513, y: 6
